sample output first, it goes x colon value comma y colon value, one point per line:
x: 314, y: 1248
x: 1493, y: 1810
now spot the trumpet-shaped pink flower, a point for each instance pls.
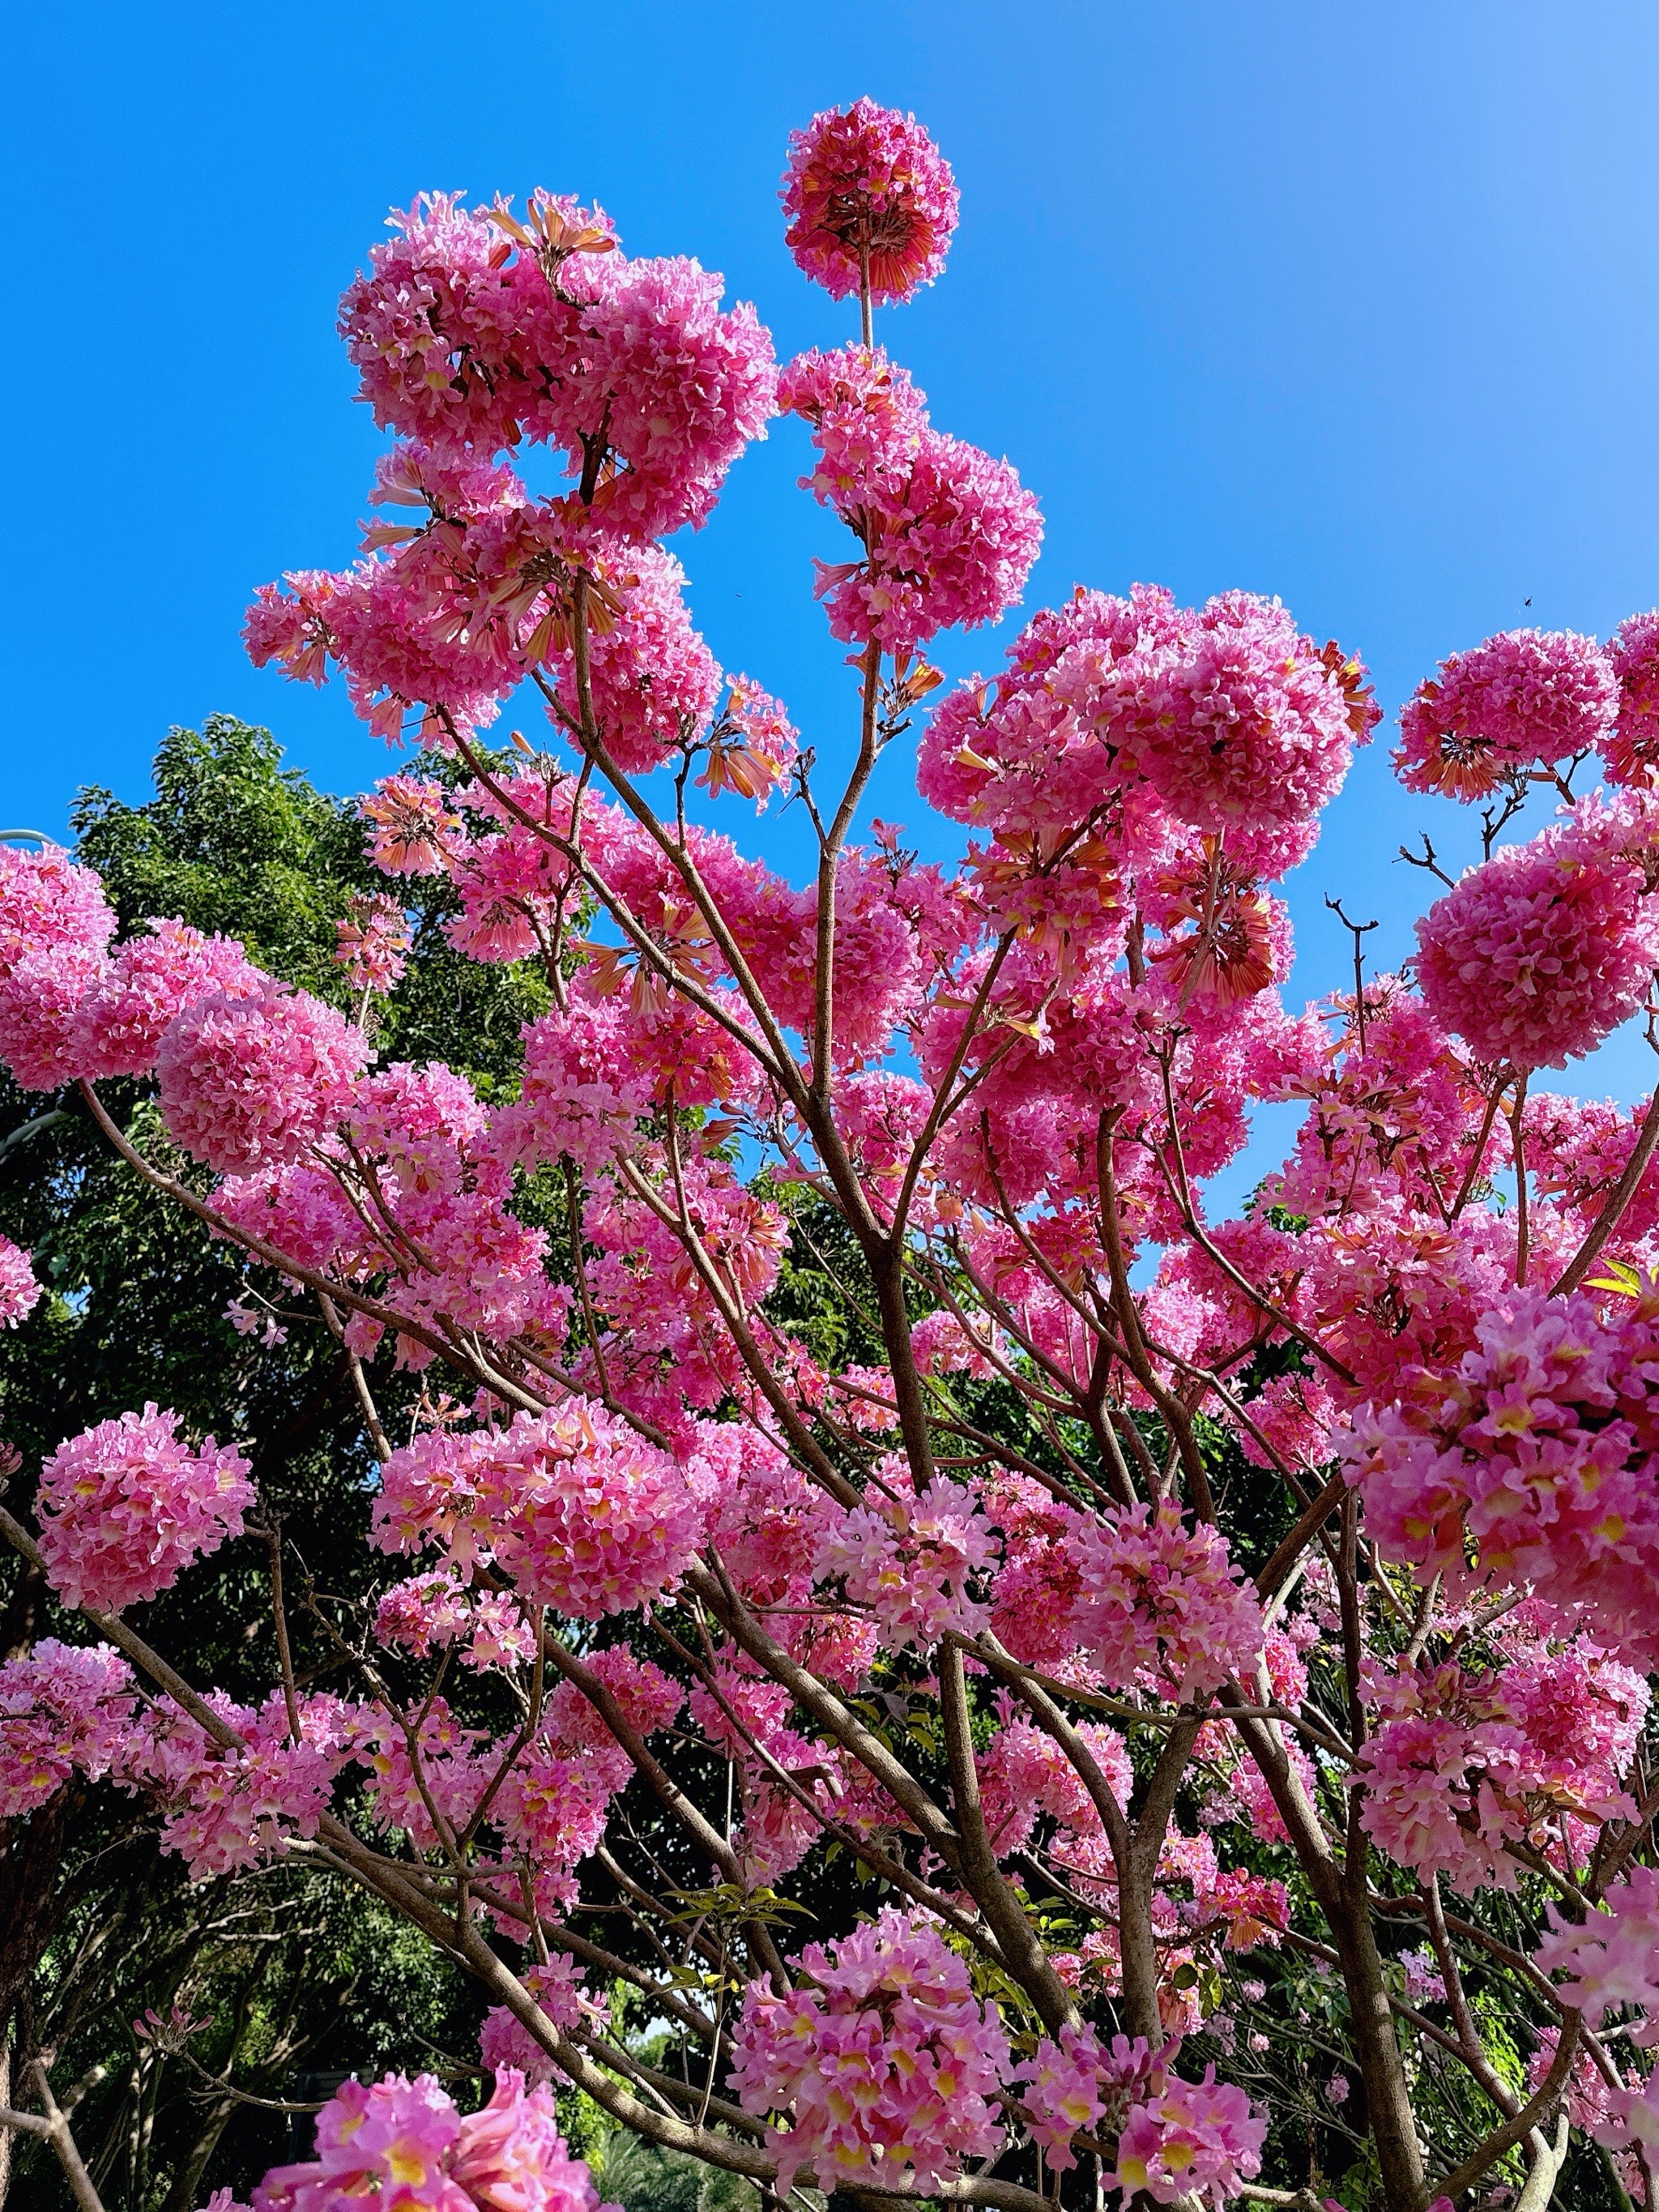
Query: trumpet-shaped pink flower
x: 126, y: 1506
x: 885, y: 2064
x: 870, y: 199
x: 402, y: 2146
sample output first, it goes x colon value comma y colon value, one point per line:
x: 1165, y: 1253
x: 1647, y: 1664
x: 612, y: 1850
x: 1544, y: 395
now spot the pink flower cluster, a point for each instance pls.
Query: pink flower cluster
x: 1164, y: 1607
x: 504, y: 2041
x: 403, y: 2144
x: 1223, y: 721
x: 910, y: 1556
x: 1459, y: 1766
x: 885, y: 2064
x: 153, y: 978
x: 578, y: 1509
x: 1534, y: 1454
x: 63, y: 1708
x: 948, y: 535
x: 871, y: 201
x: 1611, y: 1959
x: 373, y: 943
x: 249, y: 1083
x: 20, y: 1292
x: 1189, y: 2138
x: 1544, y: 950
x: 473, y: 328
x: 1525, y: 699
x: 126, y: 1505
x: 54, y: 927
x: 1632, y: 752
x: 225, y: 1808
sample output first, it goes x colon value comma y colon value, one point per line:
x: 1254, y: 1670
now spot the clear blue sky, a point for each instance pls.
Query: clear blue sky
x: 1359, y: 306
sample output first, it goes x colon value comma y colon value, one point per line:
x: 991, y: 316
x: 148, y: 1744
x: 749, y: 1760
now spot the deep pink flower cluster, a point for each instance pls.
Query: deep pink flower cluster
x: 1534, y: 1457
x: 54, y: 927
x: 870, y: 202
x: 1544, y: 950
x: 948, y: 535
x: 249, y: 1083
x: 403, y: 2144
x: 1631, y: 753
x: 20, y: 1292
x: 1525, y: 699
x: 477, y: 329
x: 153, y: 978
x: 577, y: 1508
x: 1249, y: 729
x: 126, y: 1505
x: 885, y: 2064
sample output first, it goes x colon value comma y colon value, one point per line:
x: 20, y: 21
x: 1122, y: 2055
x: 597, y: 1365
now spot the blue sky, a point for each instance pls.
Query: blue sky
x: 1356, y: 306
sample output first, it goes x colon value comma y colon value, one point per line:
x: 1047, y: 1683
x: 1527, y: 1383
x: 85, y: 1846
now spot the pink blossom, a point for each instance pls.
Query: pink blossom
x: 126, y: 1505
x: 226, y: 1809
x: 153, y: 978
x: 49, y: 903
x: 558, y: 1987
x: 373, y: 943
x: 19, y: 1294
x: 41, y: 1001
x: 948, y: 534
x: 250, y: 1082
x: 1542, y: 951
x: 885, y: 2064
x: 413, y: 828
x: 1526, y: 697
x: 63, y: 1709
x: 1163, y: 1604
x: 584, y: 1514
x: 1611, y: 1959
x: 1248, y: 730
x: 1189, y: 2136
x: 403, y: 2144
x: 1632, y: 752
x: 910, y: 1557
x: 868, y: 195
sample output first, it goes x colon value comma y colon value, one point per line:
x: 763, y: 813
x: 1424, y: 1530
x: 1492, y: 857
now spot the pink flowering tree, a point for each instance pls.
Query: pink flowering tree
x: 1020, y: 1679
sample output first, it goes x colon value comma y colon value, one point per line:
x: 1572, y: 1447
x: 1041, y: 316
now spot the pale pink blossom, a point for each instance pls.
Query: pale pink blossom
x: 126, y: 1505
